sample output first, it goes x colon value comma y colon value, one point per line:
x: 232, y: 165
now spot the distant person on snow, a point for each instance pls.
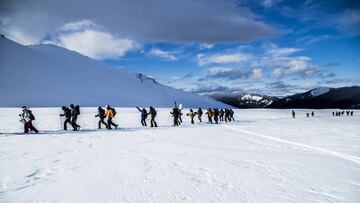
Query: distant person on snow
x: 26, y: 118
x: 191, y: 114
x: 67, y: 115
x: 144, y: 115
x: 175, y: 113
x: 221, y: 114
x: 75, y: 112
x: 110, y: 114
x: 153, y: 115
x: 333, y: 113
x: 293, y: 113
x: 216, y: 115
x: 102, y: 116
x: 312, y: 114
x: 351, y: 113
x: 231, y: 115
x: 180, y: 114
x: 199, y: 113
x: 210, y: 114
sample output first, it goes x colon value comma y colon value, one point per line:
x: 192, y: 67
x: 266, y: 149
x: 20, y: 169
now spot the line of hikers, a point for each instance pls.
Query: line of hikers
x: 341, y: 113
x: 72, y: 112
x: 226, y: 115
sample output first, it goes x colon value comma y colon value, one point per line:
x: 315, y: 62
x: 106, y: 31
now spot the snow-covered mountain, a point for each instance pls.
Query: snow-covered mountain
x: 244, y: 100
x: 344, y: 97
x: 47, y: 75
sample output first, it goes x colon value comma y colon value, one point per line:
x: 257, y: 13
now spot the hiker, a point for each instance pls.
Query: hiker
x: 26, y: 118
x: 210, y: 114
x: 180, y: 114
x: 75, y: 112
x: 333, y: 113
x: 199, y: 113
x: 110, y: 114
x: 347, y: 113
x: 67, y: 115
x: 312, y: 114
x: 221, y: 114
x: 216, y: 115
x: 175, y: 113
x: 153, y: 115
x: 191, y: 114
x: 307, y: 114
x: 102, y: 116
x: 293, y: 113
x: 351, y: 113
x: 144, y: 115
x: 231, y: 115
x: 227, y: 115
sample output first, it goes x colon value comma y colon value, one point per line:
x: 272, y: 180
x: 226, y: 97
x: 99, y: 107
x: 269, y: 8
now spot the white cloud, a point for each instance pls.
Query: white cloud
x: 20, y: 37
x: 162, y: 54
x: 96, y: 44
x: 206, y: 46
x: 222, y: 58
x: 296, y: 66
x: 275, y: 51
x: 257, y: 73
x: 79, y: 25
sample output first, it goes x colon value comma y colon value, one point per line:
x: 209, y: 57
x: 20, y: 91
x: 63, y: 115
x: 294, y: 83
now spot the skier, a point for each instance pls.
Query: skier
x: 153, y: 115
x: 293, y: 113
x: 175, y: 113
x: 191, y: 114
x: 102, y: 116
x: 351, y: 113
x: 210, y: 114
x: 26, y: 118
x: 231, y: 115
x: 216, y: 115
x: 221, y: 114
x: 110, y: 113
x: 312, y: 114
x: 75, y: 112
x: 67, y: 114
x: 199, y: 113
x: 144, y: 115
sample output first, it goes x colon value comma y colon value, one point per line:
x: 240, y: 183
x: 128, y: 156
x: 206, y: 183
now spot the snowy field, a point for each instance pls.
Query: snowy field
x: 265, y: 156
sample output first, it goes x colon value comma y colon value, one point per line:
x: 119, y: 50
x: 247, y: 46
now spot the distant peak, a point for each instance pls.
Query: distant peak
x: 143, y: 78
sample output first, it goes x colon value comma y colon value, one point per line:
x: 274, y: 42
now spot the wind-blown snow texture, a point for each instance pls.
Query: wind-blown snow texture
x: 265, y: 156
x: 47, y: 75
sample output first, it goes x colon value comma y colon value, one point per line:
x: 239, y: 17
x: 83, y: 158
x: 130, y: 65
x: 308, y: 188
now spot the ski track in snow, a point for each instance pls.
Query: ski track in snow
x: 321, y: 150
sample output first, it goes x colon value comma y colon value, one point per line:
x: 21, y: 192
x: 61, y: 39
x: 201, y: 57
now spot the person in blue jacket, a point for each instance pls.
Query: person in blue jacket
x: 144, y: 115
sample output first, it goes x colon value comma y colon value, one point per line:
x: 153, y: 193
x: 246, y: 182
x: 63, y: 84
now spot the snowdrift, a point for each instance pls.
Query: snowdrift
x: 47, y: 75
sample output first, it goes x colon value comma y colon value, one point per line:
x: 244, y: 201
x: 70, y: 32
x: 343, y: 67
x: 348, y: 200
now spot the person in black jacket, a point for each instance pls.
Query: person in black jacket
x: 74, y: 115
x: 216, y: 115
x: 199, y: 113
x: 144, y: 115
x: 231, y: 115
x: 175, y: 113
x: 102, y: 116
x: 153, y: 115
x: 67, y: 115
x: 221, y: 114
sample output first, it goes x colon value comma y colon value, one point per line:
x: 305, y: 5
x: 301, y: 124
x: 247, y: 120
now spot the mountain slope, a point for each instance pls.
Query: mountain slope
x: 242, y: 100
x: 47, y: 75
x: 344, y: 97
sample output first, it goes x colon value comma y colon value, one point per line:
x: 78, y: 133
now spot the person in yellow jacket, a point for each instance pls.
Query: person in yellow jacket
x: 210, y: 114
x: 110, y: 113
x: 192, y: 115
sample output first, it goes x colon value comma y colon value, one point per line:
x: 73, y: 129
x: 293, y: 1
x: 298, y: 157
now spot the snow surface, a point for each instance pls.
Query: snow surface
x: 265, y: 156
x: 319, y: 91
x: 47, y: 75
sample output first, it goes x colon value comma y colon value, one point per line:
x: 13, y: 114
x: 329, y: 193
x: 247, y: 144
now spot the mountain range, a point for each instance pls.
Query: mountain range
x: 318, y: 98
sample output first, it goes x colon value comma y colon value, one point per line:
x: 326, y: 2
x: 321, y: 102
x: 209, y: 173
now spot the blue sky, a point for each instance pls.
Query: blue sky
x: 272, y: 47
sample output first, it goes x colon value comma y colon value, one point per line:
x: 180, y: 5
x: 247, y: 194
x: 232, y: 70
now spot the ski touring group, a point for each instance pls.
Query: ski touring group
x: 70, y: 115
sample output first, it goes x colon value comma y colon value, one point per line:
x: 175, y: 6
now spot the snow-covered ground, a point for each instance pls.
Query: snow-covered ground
x: 265, y: 156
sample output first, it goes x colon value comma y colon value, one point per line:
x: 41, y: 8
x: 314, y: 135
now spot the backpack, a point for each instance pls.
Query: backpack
x: 31, y: 116
x: 77, y: 109
x: 114, y: 111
